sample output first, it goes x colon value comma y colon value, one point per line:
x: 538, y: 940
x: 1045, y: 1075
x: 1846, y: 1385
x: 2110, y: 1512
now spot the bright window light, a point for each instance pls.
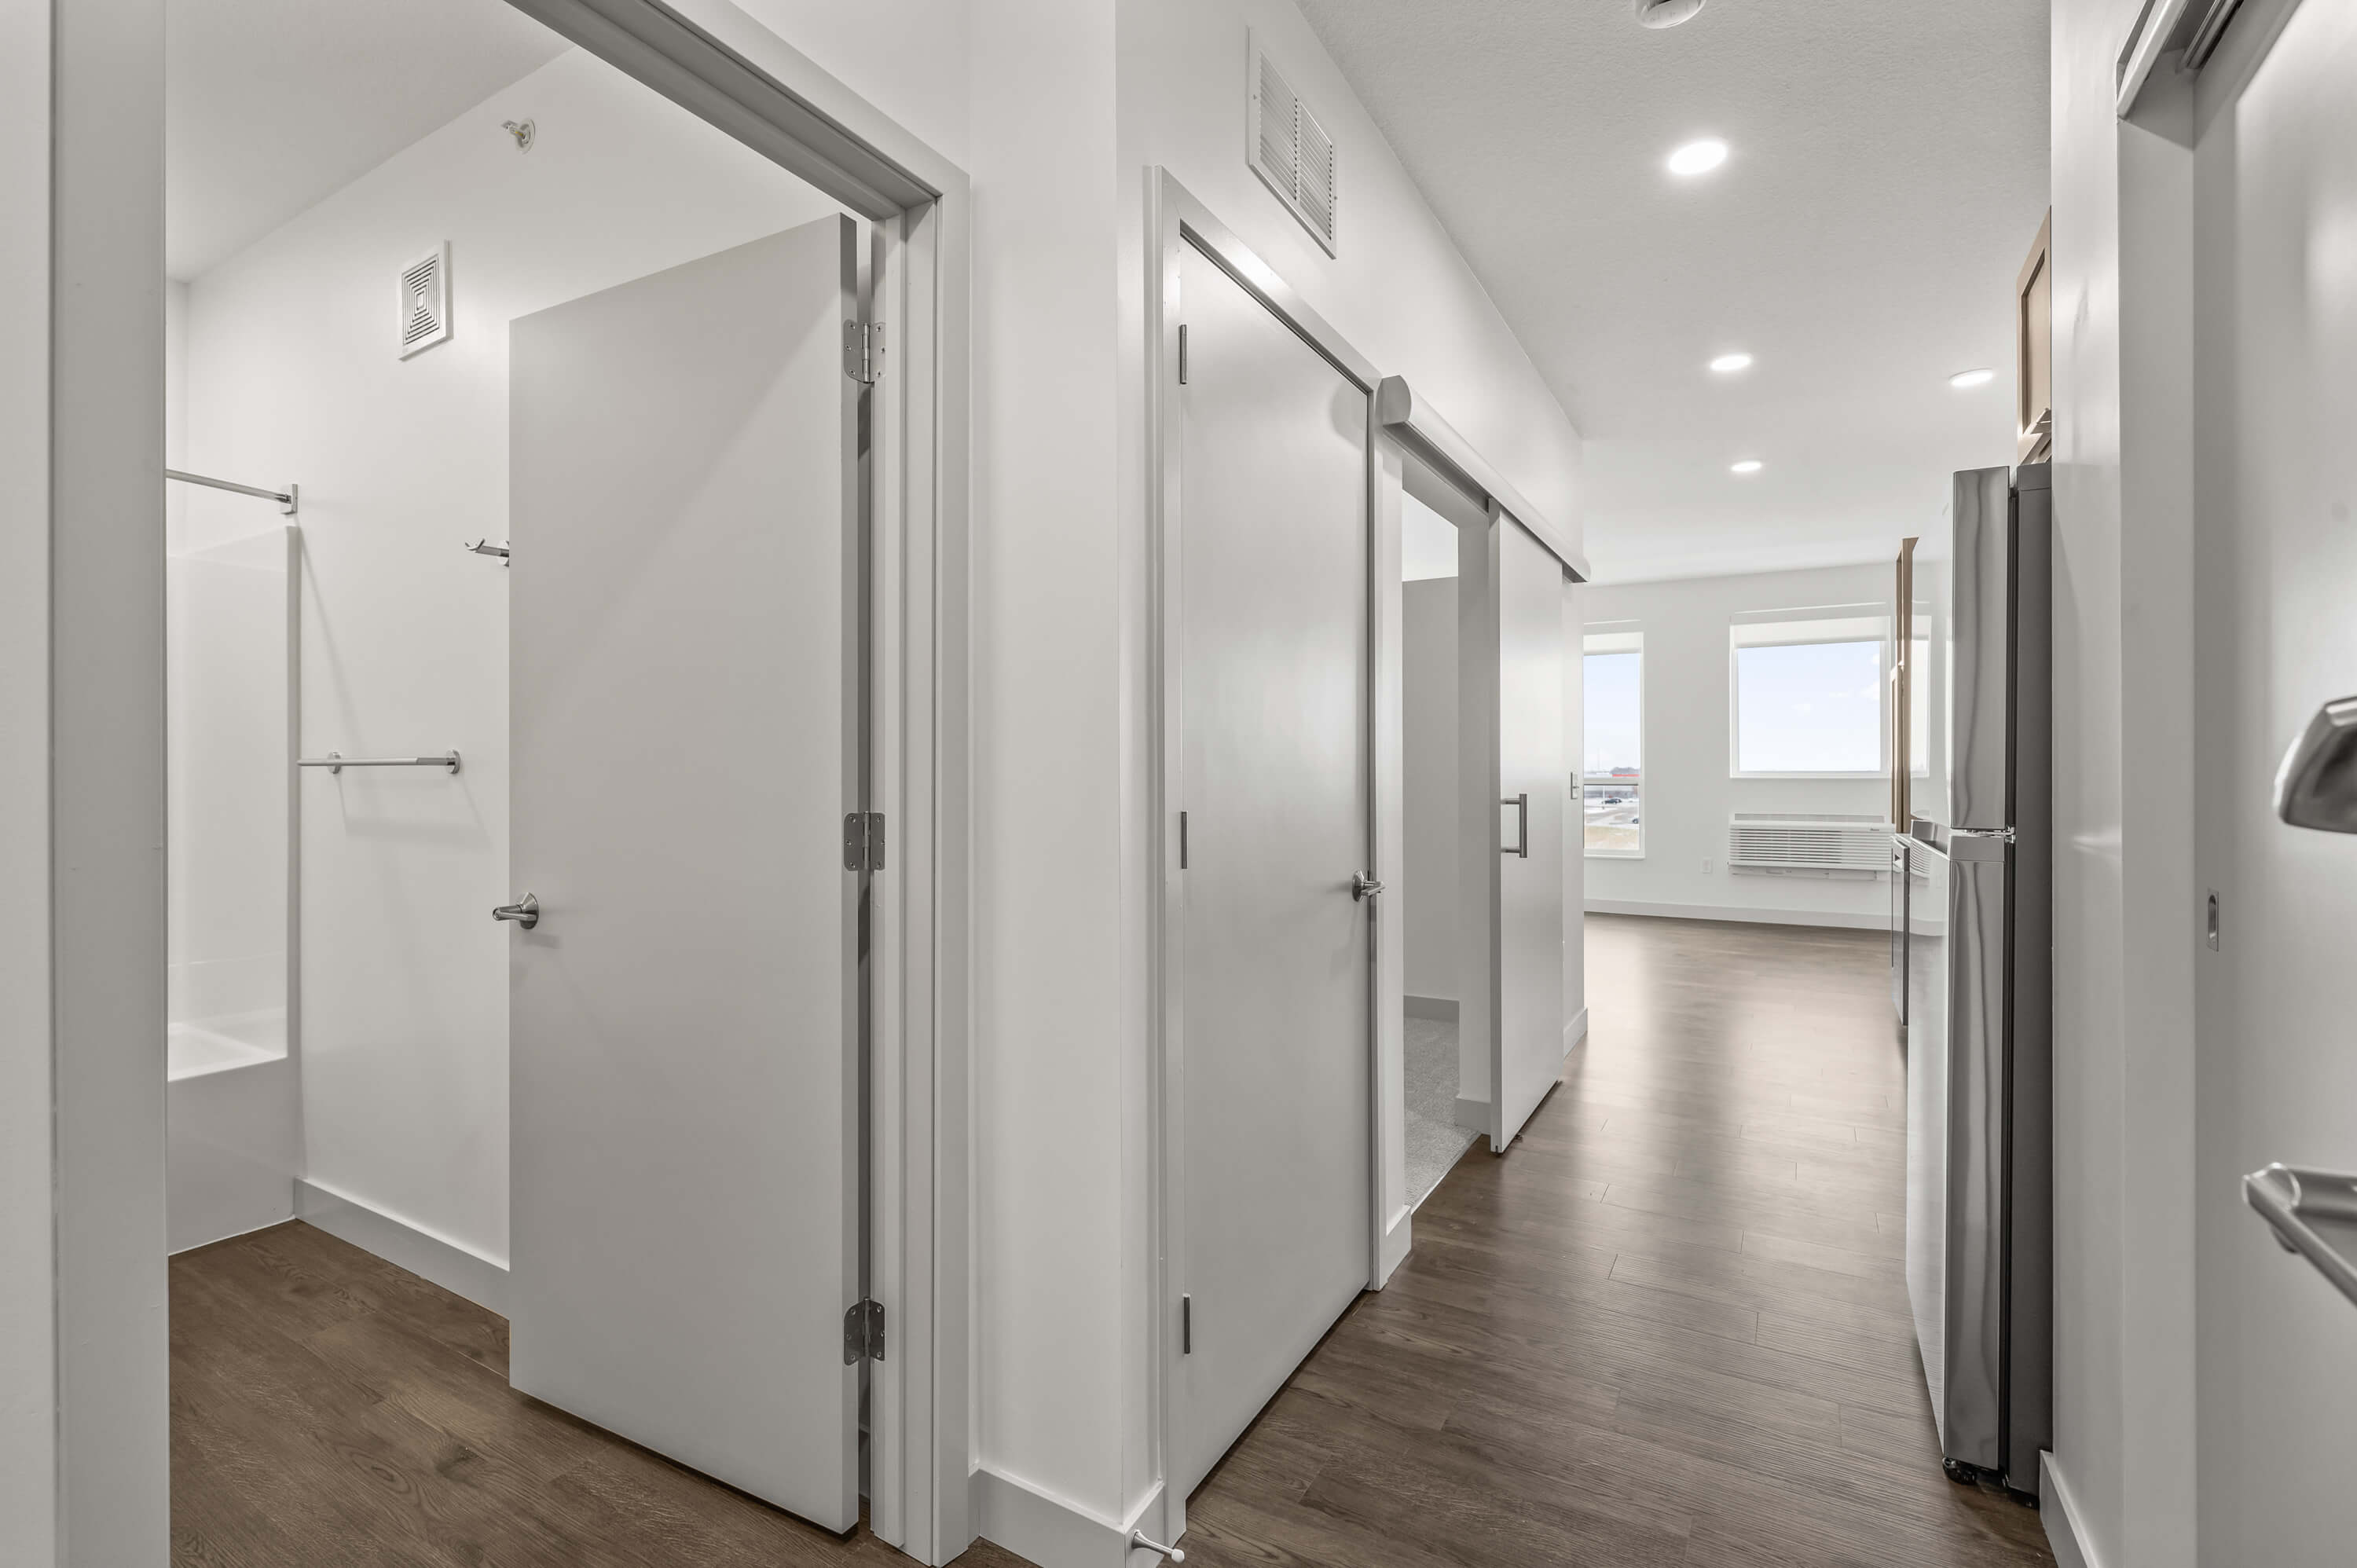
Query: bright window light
x: 1612, y: 754
x: 1745, y: 465
x: 1727, y: 364
x: 1698, y: 158
x: 1809, y: 696
x: 1964, y: 380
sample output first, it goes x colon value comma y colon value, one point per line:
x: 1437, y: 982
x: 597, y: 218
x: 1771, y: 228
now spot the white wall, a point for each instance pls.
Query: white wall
x: 28, y: 1474
x: 2276, y: 490
x: 1428, y: 732
x: 2125, y: 918
x: 293, y: 375
x: 1688, y: 792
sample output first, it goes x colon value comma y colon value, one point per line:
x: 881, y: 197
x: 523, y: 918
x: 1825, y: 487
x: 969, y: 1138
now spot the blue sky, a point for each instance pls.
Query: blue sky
x: 1813, y: 708
x: 1614, y: 736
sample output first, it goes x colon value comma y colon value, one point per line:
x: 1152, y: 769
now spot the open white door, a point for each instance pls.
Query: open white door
x: 687, y: 731
x: 1527, y: 1043
x: 1276, y: 954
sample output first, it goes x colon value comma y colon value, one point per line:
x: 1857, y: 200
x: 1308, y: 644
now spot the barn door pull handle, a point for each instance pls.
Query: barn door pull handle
x: 1522, y: 844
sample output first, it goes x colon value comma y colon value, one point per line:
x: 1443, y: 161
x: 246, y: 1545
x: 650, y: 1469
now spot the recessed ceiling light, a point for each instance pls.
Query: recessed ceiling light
x: 1962, y: 379
x: 1698, y: 158
x: 1745, y: 465
x: 1727, y: 364
x: 1665, y: 12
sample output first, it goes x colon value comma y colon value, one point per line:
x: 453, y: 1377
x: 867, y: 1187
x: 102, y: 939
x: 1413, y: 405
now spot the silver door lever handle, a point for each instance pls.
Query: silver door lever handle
x: 525, y: 912
x: 1363, y: 886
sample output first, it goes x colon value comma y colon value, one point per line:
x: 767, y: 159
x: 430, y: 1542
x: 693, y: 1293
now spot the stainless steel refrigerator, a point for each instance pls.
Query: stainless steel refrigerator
x: 1973, y: 938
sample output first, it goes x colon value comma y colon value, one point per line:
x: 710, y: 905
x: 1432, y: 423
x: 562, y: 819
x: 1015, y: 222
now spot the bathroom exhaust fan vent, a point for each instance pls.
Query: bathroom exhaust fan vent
x: 425, y: 301
x: 1291, y: 151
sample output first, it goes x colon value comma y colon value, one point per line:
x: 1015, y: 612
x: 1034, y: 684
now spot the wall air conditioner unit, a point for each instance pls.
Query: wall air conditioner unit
x: 1830, y: 845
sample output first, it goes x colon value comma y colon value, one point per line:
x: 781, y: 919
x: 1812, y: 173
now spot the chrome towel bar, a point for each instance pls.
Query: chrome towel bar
x: 2314, y: 1214
x: 287, y: 498
x: 336, y: 761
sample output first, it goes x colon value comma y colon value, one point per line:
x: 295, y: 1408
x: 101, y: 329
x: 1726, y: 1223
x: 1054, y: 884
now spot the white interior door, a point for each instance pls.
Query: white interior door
x: 685, y: 722
x: 1527, y: 1043
x: 1276, y: 952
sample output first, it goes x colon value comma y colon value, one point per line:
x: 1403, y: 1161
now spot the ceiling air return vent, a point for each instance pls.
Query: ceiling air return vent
x: 425, y: 301
x: 1291, y: 151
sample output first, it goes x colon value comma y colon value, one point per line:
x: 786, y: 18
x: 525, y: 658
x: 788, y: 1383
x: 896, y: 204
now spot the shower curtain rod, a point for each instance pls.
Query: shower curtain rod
x: 286, y: 499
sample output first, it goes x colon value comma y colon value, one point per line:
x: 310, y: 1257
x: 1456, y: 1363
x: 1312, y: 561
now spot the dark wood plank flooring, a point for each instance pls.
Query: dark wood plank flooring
x: 330, y: 1409
x: 1669, y: 1326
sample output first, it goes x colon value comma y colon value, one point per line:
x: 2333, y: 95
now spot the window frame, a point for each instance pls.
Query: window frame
x: 1828, y: 613
x: 1634, y: 632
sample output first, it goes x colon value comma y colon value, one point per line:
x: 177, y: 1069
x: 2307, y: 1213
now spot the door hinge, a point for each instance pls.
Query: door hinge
x: 863, y: 1333
x: 863, y: 840
x: 862, y: 351
x: 1182, y: 354
x: 1186, y: 1326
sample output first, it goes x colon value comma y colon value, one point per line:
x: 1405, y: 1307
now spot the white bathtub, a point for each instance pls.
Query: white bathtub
x: 231, y: 1108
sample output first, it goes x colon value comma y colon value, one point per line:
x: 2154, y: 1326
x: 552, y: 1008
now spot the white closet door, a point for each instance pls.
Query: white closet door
x: 1274, y: 1044
x: 685, y: 732
x: 1527, y: 1046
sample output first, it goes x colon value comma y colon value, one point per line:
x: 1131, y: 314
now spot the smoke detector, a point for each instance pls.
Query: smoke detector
x: 1666, y: 13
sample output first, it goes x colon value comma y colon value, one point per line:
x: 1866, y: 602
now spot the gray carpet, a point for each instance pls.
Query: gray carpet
x: 1434, y: 1138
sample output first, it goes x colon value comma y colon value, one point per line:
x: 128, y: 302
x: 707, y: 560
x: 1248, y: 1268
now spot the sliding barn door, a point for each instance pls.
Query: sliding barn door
x: 1273, y: 1043
x: 687, y: 730
x: 1527, y: 1043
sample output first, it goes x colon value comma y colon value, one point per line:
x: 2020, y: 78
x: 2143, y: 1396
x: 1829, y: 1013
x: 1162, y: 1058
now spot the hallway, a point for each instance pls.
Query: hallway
x: 1669, y: 1327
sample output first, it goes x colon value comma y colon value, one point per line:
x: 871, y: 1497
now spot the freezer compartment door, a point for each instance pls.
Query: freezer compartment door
x: 1970, y: 1401
x: 1926, y: 955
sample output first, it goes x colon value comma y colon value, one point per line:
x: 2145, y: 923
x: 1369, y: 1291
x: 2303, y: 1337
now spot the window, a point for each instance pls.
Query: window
x: 1612, y: 765
x: 1810, y: 690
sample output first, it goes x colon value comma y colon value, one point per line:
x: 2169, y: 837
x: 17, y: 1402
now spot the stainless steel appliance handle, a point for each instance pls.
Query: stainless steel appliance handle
x: 336, y: 761
x: 2287, y: 1197
x: 1522, y: 804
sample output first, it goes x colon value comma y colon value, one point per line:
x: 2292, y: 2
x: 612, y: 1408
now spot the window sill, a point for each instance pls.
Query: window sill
x: 1612, y: 854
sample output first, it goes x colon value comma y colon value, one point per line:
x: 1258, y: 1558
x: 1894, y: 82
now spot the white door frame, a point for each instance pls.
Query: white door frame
x: 99, y: 720
x: 1177, y: 219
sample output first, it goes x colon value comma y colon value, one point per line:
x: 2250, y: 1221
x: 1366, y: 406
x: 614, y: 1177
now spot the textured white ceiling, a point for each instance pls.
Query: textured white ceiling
x: 271, y: 104
x: 1888, y: 175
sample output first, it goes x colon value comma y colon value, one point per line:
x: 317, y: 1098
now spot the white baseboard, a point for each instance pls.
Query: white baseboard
x: 2066, y: 1533
x: 1473, y: 1115
x: 1398, y: 1237
x: 1440, y: 1007
x: 405, y: 1246
x: 1574, y: 1032
x: 1050, y: 1530
x: 1836, y: 920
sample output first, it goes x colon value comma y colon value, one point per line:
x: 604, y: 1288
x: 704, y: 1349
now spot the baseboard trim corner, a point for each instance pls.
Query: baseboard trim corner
x: 2058, y: 1511
x: 455, y: 1268
x: 1574, y: 1032
x: 1473, y: 1115
x: 1047, y: 1530
x: 1440, y: 1007
x: 1398, y: 1237
x: 1830, y: 919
